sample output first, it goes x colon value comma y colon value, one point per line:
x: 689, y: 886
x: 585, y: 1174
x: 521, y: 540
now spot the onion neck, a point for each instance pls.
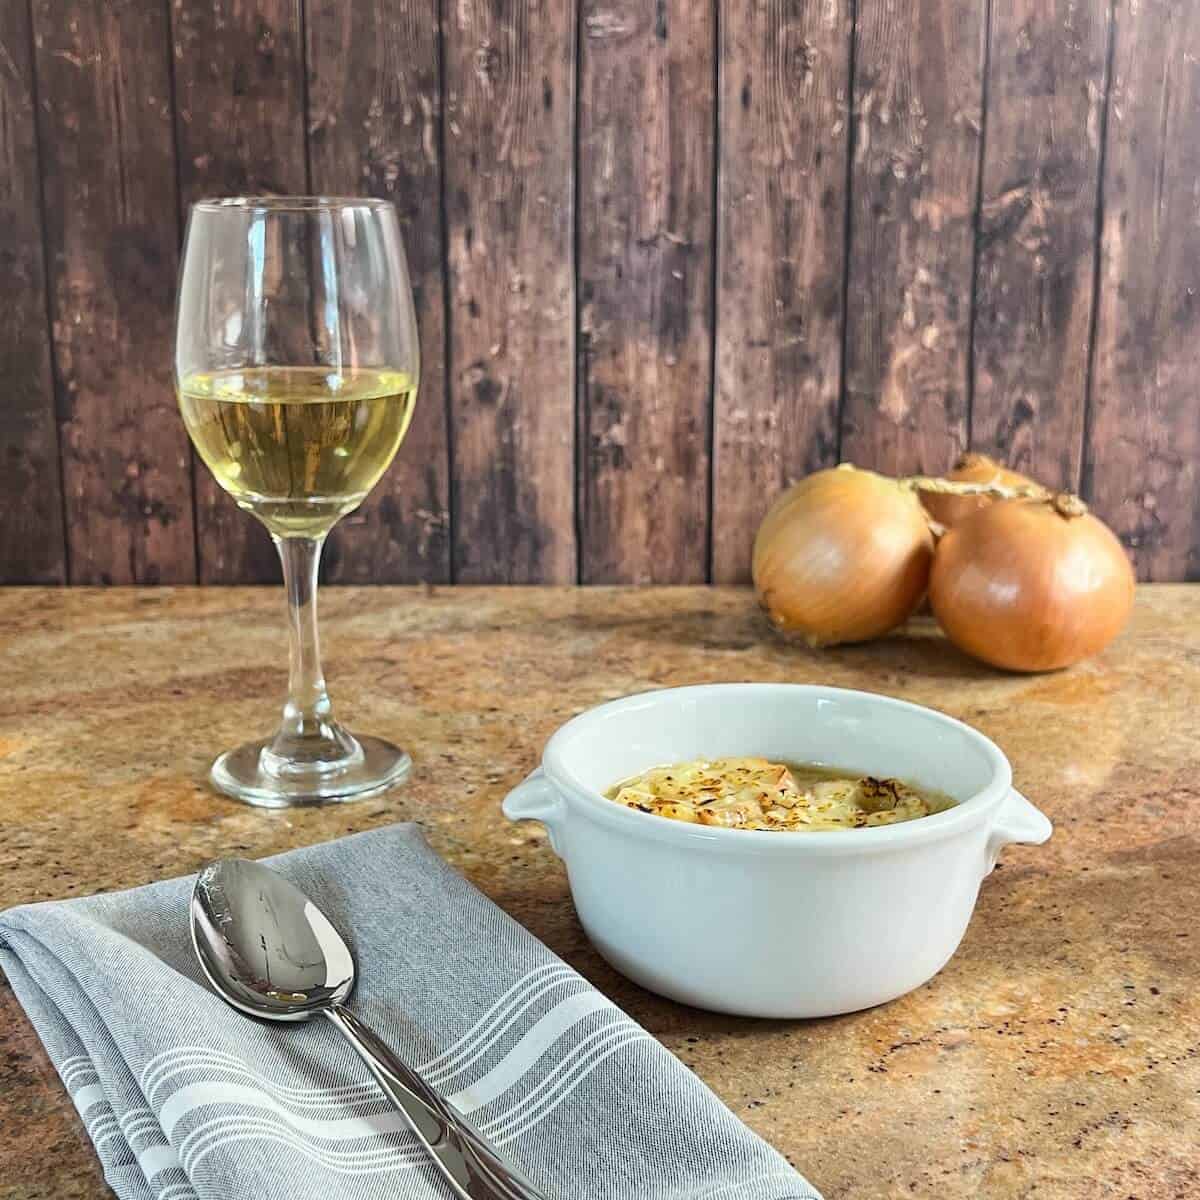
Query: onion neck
x: 959, y: 487
x: 1068, y: 505
x: 1065, y: 504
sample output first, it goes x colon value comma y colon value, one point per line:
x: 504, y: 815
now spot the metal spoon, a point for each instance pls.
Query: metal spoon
x: 270, y: 952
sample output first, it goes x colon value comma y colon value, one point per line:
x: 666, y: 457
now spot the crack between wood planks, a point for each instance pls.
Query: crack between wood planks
x: 305, y: 109
x: 714, y: 249
x: 977, y: 220
x: 172, y: 97
x: 49, y: 303
x: 581, y: 345
x: 1084, y: 482
x: 847, y: 226
x: 447, y: 300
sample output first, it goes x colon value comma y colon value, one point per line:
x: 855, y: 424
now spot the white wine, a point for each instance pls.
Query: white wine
x: 298, y: 447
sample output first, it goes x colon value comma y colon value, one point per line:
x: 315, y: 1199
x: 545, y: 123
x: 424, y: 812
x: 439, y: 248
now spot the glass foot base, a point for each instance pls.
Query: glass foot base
x: 246, y: 774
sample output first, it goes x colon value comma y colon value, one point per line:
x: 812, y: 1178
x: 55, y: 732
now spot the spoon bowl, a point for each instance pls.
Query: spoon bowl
x: 264, y: 945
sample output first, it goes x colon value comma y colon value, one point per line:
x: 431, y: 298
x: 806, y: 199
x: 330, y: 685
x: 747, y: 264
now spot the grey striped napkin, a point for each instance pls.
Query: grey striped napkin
x: 185, y: 1098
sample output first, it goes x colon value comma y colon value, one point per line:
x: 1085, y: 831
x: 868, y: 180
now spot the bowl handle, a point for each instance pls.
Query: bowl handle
x: 1017, y: 821
x: 535, y: 799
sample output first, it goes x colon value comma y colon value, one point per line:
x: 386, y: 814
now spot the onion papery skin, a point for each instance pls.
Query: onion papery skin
x: 842, y: 556
x: 1021, y: 586
x: 949, y: 510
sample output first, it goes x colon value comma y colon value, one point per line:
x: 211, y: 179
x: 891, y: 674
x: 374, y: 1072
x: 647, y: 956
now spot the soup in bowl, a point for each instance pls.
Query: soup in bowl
x: 756, y: 793
x: 765, y: 921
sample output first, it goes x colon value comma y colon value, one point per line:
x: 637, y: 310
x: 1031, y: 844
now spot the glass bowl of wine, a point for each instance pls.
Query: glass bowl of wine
x: 296, y: 368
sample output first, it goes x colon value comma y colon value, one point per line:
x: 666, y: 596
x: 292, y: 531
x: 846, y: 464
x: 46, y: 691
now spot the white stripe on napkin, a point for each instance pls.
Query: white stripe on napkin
x: 513, y: 994
x: 83, y: 1099
x: 137, y: 1121
x: 528, y: 1050
x: 557, y: 1098
x: 354, y: 1163
x: 558, y: 1076
x: 219, y: 1129
x: 280, y: 1125
x: 189, y: 1058
x: 288, y: 1127
x: 156, y: 1159
x: 194, y: 1095
x: 502, y: 1023
x: 75, y: 1072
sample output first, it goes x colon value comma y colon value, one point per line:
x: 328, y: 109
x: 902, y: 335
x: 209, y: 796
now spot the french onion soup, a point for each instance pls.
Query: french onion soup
x: 757, y: 793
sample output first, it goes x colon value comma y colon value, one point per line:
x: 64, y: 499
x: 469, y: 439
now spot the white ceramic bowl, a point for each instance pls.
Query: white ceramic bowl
x: 774, y: 924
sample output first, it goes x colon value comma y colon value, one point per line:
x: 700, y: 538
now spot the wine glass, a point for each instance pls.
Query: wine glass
x: 296, y: 364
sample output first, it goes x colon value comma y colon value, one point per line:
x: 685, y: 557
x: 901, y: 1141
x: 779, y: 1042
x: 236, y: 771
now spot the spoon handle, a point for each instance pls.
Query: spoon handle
x: 469, y: 1164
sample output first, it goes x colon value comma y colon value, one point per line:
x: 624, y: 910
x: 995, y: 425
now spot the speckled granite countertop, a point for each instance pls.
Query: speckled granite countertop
x: 1056, y: 1056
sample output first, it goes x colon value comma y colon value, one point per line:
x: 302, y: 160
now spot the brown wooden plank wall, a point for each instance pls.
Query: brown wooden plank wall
x: 375, y: 102
x: 918, y: 72
x: 782, y: 187
x: 107, y: 164
x: 668, y: 256
x: 1046, y: 84
x: 239, y: 130
x: 646, y: 108
x: 509, y: 180
x: 1142, y: 453
x: 31, y: 501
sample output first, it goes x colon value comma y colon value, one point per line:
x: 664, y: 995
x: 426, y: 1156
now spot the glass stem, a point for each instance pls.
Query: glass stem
x: 308, y: 732
x: 307, y: 707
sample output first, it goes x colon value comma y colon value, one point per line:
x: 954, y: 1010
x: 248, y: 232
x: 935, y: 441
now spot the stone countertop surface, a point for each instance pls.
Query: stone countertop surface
x: 1056, y: 1056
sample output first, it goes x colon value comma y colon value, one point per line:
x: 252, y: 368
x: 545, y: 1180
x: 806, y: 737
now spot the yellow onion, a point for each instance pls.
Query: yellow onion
x: 1031, y: 585
x: 949, y: 509
x: 842, y: 556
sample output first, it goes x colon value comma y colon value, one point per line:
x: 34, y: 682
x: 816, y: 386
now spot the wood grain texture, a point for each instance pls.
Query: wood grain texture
x: 1034, y: 280
x: 1144, y: 437
x: 109, y: 183
x: 784, y: 72
x: 917, y: 100
x: 646, y: 166
x: 31, y: 528
x: 374, y: 91
x: 239, y: 125
x: 509, y: 170
x: 493, y: 483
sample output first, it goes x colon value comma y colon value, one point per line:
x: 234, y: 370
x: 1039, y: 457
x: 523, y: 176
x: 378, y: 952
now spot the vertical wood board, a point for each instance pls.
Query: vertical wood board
x: 645, y: 281
x: 918, y: 83
x: 108, y: 174
x: 784, y: 93
x: 1034, y: 282
x: 1143, y: 453
x: 375, y: 129
x: 239, y: 123
x: 510, y: 106
x: 31, y: 502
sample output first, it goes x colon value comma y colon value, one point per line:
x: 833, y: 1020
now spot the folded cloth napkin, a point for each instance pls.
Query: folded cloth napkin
x: 184, y: 1097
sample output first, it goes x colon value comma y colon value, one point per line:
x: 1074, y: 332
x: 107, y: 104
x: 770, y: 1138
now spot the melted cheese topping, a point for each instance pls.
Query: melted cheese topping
x: 755, y: 793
